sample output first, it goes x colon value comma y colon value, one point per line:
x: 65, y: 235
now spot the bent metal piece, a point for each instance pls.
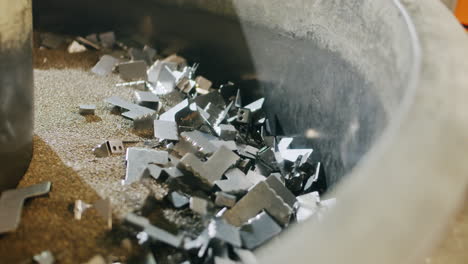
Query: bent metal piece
x: 11, y: 204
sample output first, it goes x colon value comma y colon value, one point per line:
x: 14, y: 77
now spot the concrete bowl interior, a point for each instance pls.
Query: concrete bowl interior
x: 359, y: 77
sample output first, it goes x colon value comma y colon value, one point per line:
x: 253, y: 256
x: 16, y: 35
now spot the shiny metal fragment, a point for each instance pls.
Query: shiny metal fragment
x: 227, y: 132
x: 220, y: 230
x: 317, y: 182
x: 51, y: 41
x: 195, y: 142
x: 281, y: 190
x: 165, y: 130
x: 45, y: 257
x: 138, y: 160
x: 225, y: 199
x: 203, y: 83
x: 109, y: 147
x: 167, y: 79
x: 173, y: 172
x: 147, y: 99
x: 309, y: 200
x: 178, y: 60
x: 238, y: 100
x: 76, y: 47
x: 92, y: 38
x: 86, y: 109
x: 155, y: 232
x: 101, y: 150
x: 200, y: 205
x: 136, y: 54
x: 104, y: 208
x: 259, y: 230
x: 91, y: 42
x: 169, y: 115
x: 260, y: 197
x: 212, y: 170
x: 139, y: 85
x: 11, y: 204
x: 228, y: 144
x: 105, y: 65
x: 134, y: 111
x: 254, y: 177
x: 153, y: 170
x: 186, y: 85
x: 149, y: 53
x: 79, y: 208
x: 133, y: 71
x: 291, y: 154
x: 256, y: 105
x: 155, y: 70
x: 178, y: 199
x: 107, y: 39
x: 116, y: 146
x: 243, y: 116
x: 237, y: 182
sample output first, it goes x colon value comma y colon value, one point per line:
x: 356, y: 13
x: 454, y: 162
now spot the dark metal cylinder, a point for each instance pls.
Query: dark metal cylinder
x: 16, y: 91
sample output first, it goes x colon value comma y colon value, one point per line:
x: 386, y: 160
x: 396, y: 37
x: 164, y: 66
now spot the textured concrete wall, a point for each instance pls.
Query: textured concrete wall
x: 395, y: 205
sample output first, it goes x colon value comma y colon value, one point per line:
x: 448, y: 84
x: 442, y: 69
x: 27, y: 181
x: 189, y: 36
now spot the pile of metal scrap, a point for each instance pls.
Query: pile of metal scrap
x: 214, y: 152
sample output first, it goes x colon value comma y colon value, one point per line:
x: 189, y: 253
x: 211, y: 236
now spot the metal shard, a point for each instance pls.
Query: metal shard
x: 155, y: 232
x: 227, y: 132
x: 165, y: 130
x: 228, y: 144
x: 178, y: 199
x: 44, y: 257
x: 260, y: 197
x: 169, y: 115
x: 255, y: 106
x: 200, y: 142
x: 281, y: 190
x: 255, y: 177
x: 243, y: 116
x: 203, y: 83
x: 107, y: 39
x: 155, y: 70
x: 259, y: 230
x: 212, y: 170
x: 133, y: 71
x: 104, y: 208
x: 147, y: 99
x: 86, y: 109
x: 200, y: 205
x: 134, y: 111
x: 291, y: 154
x: 225, y: 199
x: 11, y: 204
x: 222, y: 231
x: 138, y: 160
x: 105, y: 65
x: 237, y: 182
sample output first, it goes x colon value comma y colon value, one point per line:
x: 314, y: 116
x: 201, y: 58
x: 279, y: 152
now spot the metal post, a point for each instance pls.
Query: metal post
x: 16, y: 91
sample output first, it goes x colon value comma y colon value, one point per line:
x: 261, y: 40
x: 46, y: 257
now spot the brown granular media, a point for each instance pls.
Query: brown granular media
x: 60, y: 59
x: 47, y: 222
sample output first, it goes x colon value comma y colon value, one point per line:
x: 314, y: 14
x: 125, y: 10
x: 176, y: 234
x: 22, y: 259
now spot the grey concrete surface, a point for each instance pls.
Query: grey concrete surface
x: 395, y: 204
